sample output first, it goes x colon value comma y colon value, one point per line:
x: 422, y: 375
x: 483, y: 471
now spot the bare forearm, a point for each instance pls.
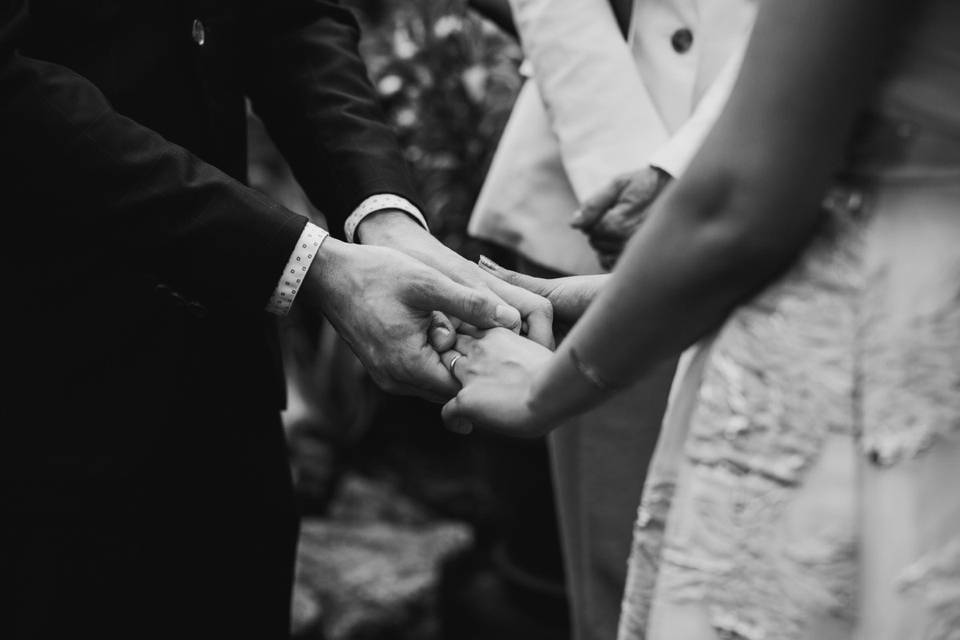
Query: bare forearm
x: 678, y: 280
x: 746, y: 206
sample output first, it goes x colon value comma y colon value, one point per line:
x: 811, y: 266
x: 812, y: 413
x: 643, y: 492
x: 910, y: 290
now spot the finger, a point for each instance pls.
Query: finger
x: 540, y: 286
x: 540, y: 327
x: 476, y: 306
x: 470, y: 330
x: 442, y: 334
x: 452, y: 414
x: 467, y: 345
x: 537, y: 309
x: 453, y: 359
x: 621, y: 222
x: 596, y: 206
x: 425, y: 375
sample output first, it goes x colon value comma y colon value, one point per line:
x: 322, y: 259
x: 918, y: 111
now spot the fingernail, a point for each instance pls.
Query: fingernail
x: 488, y: 264
x: 439, y: 334
x: 507, y: 316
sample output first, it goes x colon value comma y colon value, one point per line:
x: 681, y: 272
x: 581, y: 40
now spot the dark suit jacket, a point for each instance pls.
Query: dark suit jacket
x: 145, y: 263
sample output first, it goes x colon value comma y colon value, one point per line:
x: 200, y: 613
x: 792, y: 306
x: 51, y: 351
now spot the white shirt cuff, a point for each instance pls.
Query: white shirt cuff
x: 296, y: 270
x: 376, y: 203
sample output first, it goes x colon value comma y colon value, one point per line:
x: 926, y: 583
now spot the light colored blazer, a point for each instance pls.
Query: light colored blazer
x: 598, y: 106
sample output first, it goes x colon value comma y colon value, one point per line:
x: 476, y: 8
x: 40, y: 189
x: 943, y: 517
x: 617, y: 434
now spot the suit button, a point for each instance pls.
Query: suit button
x: 199, y: 33
x: 681, y: 40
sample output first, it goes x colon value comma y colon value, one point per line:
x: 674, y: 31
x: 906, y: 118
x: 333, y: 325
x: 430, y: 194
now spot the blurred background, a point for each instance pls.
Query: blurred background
x: 411, y: 532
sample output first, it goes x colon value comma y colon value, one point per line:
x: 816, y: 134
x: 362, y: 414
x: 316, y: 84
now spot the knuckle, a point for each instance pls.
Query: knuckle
x: 475, y: 304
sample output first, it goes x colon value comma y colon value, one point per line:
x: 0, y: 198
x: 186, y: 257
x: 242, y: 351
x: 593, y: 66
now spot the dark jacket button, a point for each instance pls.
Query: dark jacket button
x: 681, y: 40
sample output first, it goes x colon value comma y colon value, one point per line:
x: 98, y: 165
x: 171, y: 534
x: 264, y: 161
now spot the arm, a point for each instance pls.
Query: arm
x: 119, y: 189
x: 746, y: 206
x: 308, y: 82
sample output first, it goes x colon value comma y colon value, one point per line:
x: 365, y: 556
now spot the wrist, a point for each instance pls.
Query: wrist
x: 387, y: 227
x: 323, y: 270
x: 541, y: 403
x: 560, y: 390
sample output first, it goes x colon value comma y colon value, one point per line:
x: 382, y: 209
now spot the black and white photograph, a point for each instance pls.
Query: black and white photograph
x: 481, y: 319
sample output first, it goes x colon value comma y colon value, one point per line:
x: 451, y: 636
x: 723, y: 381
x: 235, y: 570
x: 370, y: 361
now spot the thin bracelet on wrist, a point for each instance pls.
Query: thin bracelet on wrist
x: 592, y: 375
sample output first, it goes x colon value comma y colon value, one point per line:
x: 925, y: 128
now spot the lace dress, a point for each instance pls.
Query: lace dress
x: 807, y: 481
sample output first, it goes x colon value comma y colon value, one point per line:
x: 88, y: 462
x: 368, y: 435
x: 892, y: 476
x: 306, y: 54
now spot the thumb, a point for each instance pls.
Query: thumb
x: 453, y: 416
x: 442, y: 334
x: 540, y: 286
x: 597, y: 205
x: 478, y: 307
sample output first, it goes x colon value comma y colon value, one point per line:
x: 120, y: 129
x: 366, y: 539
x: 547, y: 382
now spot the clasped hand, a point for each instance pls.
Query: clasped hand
x: 500, y: 370
x: 397, y: 303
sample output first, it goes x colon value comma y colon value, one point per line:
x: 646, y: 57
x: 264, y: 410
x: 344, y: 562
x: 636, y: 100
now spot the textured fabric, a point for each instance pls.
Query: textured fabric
x: 526, y: 202
x: 602, y: 107
x: 147, y: 491
x: 804, y: 483
x: 380, y: 202
x: 599, y: 464
x: 588, y: 115
x: 312, y: 237
x: 304, y: 253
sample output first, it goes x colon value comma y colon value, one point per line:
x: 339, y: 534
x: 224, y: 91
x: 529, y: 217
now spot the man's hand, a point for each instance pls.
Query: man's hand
x: 570, y: 296
x: 397, y: 230
x: 611, y: 216
x: 382, y: 301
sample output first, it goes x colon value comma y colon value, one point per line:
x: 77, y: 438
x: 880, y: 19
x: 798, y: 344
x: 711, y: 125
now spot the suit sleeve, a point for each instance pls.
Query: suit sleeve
x: 124, y: 194
x: 306, y: 80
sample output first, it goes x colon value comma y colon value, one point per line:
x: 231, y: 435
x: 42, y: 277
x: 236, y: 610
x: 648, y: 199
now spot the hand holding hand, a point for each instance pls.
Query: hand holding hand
x: 396, y: 230
x: 569, y: 296
x: 611, y: 217
x: 497, y: 369
x: 381, y: 301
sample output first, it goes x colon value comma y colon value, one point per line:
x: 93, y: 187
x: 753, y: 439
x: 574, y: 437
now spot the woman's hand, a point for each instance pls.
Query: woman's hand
x: 569, y: 296
x: 497, y: 369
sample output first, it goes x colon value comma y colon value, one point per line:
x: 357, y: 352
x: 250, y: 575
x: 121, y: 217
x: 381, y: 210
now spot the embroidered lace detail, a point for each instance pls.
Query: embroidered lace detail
x: 911, y: 380
x: 766, y: 410
x: 645, y: 557
x: 935, y: 580
x: 780, y: 381
x: 855, y: 350
x: 757, y: 577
